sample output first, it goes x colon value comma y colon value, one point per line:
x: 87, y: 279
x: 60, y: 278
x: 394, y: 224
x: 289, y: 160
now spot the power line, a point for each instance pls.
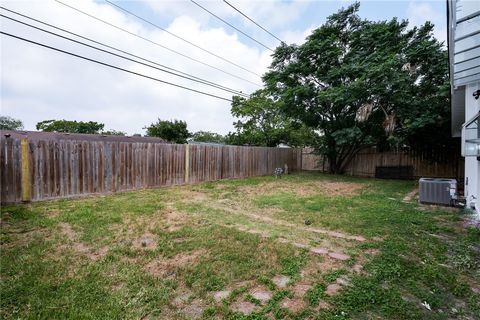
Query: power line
x: 112, y: 66
x: 189, y: 77
x: 155, y: 43
x: 178, y: 37
x: 232, y: 26
x: 243, y: 14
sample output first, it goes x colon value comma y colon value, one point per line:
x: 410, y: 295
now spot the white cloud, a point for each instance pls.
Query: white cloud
x: 420, y: 12
x: 39, y: 84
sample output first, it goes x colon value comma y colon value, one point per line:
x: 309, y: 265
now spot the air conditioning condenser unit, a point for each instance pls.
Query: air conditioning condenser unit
x: 437, y: 191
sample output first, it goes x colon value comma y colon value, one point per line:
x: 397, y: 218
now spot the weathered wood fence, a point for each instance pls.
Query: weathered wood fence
x: 41, y: 169
x: 365, y: 163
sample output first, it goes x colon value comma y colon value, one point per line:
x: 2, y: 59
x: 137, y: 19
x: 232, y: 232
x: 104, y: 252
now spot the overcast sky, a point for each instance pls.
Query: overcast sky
x: 39, y: 84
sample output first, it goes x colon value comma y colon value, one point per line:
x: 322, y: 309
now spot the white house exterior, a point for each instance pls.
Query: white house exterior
x: 464, y: 55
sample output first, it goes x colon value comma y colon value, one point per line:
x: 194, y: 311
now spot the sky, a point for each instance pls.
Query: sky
x: 39, y: 84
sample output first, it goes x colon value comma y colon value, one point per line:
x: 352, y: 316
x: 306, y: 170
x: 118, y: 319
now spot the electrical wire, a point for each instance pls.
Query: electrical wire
x: 116, y: 49
x: 155, y: 43
x: 212, y: 84
x: 112, y: 66
x: 229, y: 24
x: 258, y: 25
x: 178, y: 37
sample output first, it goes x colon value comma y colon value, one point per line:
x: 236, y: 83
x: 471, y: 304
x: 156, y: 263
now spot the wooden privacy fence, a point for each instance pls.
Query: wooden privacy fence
x: 46, y: 169
x: 366, y: 162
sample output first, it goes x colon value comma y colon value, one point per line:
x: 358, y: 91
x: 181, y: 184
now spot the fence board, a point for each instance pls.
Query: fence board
x: 365, y: 162
x: 65, y: 168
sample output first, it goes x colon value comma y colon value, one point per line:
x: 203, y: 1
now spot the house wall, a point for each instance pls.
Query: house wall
x: 472, y: 165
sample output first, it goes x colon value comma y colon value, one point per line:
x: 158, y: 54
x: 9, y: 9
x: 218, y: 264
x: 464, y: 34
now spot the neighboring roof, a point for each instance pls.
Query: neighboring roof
x: 40, y: 135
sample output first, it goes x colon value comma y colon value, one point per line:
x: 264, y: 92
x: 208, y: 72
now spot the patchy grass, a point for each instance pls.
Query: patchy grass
x: 345, y: 248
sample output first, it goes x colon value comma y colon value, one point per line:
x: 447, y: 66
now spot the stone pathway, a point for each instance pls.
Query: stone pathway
x: 281, y: 281
x: 245, y: 307
x: 220, y: 295
x: 261, y: 294
x: 331, y: 254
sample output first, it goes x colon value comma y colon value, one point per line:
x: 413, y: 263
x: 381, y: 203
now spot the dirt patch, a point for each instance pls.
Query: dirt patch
x: 318, y: 187
x: 67, y: 230
x: 164, y: 267
x: 409, y: 196
x: 146, y: 241
x: 173, y: 220
x: 78, y: 246
x: 283, y: 223
x: 315, y: 267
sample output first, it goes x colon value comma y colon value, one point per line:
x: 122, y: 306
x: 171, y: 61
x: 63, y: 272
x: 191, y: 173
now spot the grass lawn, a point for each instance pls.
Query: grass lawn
x: 306, y: 246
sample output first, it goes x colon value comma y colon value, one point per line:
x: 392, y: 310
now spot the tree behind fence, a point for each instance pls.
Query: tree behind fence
x: 64, y: 168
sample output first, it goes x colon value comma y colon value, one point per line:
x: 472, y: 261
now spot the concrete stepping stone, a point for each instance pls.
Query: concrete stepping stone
x: 182, y: 298
x: 220, y: 295
x: 192, y: 311
x: 343, y: 280
x: 245, y: 307
x: 319, y: 250
x: 332, y: 289
x: 338, y: 256
x: 281, y: 281
x: 300, y: 289
x: 294, y: 305
x: 357, y: 267
x: 261, y: 294
x: 300, y: 245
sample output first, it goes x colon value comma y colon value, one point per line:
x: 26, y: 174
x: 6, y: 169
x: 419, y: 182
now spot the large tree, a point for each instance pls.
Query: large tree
x: 174, y: 131
x: 90, y: 127
x: 207, y: 136
x: 9, y: 123
x: 362, y: 83
x: 261, y: 122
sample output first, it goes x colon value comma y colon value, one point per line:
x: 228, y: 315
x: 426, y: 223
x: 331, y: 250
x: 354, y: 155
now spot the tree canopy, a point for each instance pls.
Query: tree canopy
x: 174, y: 131
x: 362, y: 83
x: 9, y: 123
x: 207, y: 136
x: 112, y: 132
x: 88, y: 127
x: 261, y: 122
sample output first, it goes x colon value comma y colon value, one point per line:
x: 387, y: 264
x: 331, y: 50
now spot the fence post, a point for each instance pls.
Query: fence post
x: 187, y: 162
x: 25, y: 170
